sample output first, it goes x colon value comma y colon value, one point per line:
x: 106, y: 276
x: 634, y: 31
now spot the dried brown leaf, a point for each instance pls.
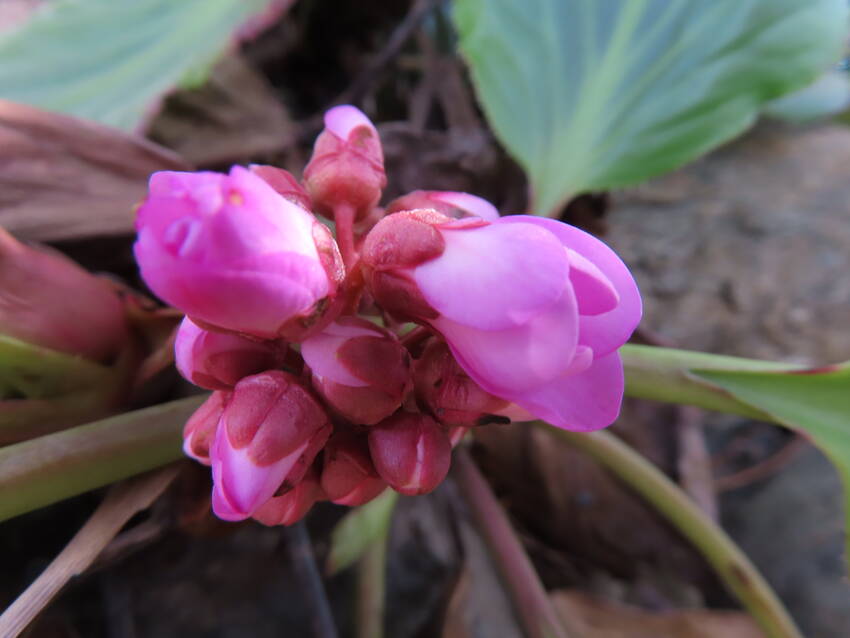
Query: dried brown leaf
x: 67, y: 178
x: 234, y: 116
x: 596, y: 618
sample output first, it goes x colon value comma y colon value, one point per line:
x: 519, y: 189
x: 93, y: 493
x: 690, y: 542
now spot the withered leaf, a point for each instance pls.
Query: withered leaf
x: 66, y: 178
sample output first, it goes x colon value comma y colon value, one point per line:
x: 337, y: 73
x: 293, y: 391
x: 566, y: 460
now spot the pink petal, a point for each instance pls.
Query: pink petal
x: 494, y: 276
x: 470, y: 203
x: 320, y: 352
x: 582, y: 402
x: 244, y: 486
x: 594, y: 291
x: 341, y: 120
x: 256, y: 295
x: 517, y: 358
x: 608, y: 331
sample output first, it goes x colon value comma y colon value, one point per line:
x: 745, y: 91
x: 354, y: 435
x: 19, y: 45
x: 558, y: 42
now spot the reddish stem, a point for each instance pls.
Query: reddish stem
x: 344, y: 220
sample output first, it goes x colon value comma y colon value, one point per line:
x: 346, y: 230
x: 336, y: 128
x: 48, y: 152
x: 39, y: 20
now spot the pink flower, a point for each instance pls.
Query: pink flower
x: 218, y: 360
x: 48, y: 300
x: 361, y: 370
x: 199, y: 431
x: 449, y: 203
x: 232, y: 253
x: 291, y: 506
x: 453, y: 398
x: 411, y: 452
x: 270, y: 431
x: 533, y: 310
x: 284, y: 183
x: 348, y: 475
x: 347, y: 166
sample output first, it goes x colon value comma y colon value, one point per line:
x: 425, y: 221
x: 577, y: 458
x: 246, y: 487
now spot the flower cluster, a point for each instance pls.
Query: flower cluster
x: 324, y: 386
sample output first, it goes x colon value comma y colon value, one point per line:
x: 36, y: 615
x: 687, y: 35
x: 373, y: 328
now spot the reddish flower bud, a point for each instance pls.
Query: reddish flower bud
x: 411, y: 452
x: 392, y: 249
x: 291, y: 506
x: 347, y: 166
x: 348, y: 475
x: 284, y: 183
x: 48, y: 300
x: 452, y: 396
x: 269, y: 433
x: 449, y: 203
x: 199, y: 431
x: 218, y: 360
x: 361, y: 370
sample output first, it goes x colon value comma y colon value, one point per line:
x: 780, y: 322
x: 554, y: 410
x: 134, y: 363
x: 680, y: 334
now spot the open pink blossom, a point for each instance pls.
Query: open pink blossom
x: 218, y: 360
x: 232, y: 253
x: 533, y: 309
x: 270, y: 431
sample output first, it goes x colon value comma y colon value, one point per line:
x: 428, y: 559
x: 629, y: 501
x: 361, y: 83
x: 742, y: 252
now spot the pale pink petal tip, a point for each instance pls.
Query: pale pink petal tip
x: 470, y: 203
x: 341, y: 120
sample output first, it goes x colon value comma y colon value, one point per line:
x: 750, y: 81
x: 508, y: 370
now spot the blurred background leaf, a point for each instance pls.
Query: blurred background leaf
x: 827, y: 96
x: 111, y: 60
x: 595, y: 94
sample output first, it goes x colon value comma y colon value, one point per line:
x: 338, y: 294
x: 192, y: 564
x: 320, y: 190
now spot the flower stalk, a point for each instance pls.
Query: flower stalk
x: 520, y: 580
x: 728, y: 561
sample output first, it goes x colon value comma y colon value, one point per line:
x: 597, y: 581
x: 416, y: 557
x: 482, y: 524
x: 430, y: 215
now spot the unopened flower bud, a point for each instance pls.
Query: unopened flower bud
x: 284, y: 183
x: 452, y: 396
x: 452, y: 204
x: 199, y: 431
x: 218, y: 360
x: 48, y: 300
x: 411, y: 452
x: 347, y: 166
x: 270, y: 432
x: 348, y: 474
x: 291, y: 506
x: 360, y: 369
x: 232, y: 253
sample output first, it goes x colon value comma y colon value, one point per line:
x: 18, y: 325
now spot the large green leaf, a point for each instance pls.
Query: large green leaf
x: 594, y: 94
x: 108, y: 60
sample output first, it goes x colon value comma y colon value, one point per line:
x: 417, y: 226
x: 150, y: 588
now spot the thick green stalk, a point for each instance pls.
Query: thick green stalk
x: 663, y: 374
x: 50, y: 468
x: 730, y: 563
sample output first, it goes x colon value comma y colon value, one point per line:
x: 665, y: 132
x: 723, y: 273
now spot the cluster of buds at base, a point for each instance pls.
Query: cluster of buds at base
x: 313, y: 401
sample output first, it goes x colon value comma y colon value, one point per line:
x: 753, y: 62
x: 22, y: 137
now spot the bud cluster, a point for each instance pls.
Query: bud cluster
x: 320, y: 389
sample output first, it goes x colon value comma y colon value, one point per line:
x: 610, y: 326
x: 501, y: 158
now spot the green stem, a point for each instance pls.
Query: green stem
x: 371, y: 588
x: 664, y: 374
x: 50, y: 468
x: 535, y: 612
x: 730, y: 563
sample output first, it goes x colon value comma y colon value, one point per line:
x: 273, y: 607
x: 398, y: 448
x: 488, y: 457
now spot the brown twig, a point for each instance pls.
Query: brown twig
x: 763, y: 469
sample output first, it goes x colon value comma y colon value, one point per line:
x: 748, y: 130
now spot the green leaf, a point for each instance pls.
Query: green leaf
x: 595, y: 94
x: 109, y: 60
x: 359, y: 529
x: 814, y: 402
x: 829, y: 95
